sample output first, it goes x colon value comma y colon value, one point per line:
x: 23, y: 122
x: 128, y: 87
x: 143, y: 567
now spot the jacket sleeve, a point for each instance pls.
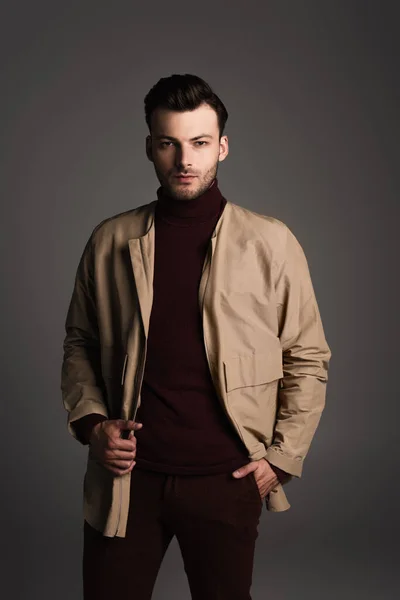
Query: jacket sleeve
x: 82, y: 385
x: 306, y: 357
x: 83, y: 427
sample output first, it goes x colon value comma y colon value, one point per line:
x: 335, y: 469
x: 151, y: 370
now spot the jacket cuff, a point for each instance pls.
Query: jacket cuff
x: 84, y: 426
x: 292, y: 466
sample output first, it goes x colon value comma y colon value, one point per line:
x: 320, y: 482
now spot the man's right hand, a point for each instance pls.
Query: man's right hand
x: 113, y: 452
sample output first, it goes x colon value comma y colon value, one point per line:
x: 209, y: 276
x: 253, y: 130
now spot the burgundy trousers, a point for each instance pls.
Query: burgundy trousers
x: 215, y: 520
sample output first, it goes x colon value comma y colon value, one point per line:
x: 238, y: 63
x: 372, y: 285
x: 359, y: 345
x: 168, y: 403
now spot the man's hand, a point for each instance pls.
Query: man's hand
x: 266, y: 475
x: 107, y: 447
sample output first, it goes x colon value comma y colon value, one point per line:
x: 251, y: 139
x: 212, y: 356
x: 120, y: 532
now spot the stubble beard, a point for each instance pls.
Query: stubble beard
x: 182, y: 192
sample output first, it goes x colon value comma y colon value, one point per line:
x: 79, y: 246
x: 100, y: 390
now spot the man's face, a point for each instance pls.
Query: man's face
x: 186, y: 143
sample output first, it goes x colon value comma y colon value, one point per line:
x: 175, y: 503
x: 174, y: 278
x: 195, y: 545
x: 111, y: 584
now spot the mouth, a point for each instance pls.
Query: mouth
x: 184, y: 178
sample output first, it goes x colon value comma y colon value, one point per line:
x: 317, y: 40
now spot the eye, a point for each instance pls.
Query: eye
x: 167, y: 143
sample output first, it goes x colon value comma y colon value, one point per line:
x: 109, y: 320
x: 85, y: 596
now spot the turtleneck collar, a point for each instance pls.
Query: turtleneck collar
x: 190, y: 212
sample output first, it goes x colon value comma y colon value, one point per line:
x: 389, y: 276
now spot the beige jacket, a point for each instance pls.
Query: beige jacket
x: 263, y: 336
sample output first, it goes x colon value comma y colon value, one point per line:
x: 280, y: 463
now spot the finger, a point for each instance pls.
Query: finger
x: 240, y: 473
x: 125, y: 471
x: 119, y: 472
x: 130, y: 425
x: 121, y: 465
x: 270, y: 487
x: 120, y: 455
x: 118, y: 445
x: 116, y: 441
x: 121, y: 445
x: 243, y: 471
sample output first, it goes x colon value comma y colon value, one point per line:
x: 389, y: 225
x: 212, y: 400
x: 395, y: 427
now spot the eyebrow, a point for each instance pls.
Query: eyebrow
x: 169, y: 137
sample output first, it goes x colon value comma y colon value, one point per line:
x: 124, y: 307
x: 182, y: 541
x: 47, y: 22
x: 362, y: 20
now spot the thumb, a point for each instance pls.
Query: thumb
x: 129, y: 424
x: 243, y: 471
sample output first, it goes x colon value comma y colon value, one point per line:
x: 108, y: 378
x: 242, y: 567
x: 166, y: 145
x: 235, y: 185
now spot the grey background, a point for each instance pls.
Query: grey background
x: 312, y: 92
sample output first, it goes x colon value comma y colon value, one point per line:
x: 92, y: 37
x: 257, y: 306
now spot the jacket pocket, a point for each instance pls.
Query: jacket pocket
x: 253, y: 480
x: 252, y: 369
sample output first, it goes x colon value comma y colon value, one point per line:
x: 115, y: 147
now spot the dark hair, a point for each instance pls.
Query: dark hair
x: 181, y: 93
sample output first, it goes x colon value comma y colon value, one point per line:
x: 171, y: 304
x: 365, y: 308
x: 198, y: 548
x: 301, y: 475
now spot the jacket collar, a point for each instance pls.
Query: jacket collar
x: 149, y: 217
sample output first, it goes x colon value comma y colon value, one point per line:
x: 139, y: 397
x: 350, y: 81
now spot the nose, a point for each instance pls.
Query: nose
x: 183, y: 159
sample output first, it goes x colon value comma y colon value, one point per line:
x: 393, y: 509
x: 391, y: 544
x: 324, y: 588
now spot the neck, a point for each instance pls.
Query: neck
x: 196, y: 210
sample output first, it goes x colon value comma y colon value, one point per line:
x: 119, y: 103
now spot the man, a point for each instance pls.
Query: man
x: 195, y: 366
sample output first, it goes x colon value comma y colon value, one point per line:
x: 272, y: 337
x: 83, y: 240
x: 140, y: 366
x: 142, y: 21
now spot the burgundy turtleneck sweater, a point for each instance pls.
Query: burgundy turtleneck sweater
x: 185, y: 429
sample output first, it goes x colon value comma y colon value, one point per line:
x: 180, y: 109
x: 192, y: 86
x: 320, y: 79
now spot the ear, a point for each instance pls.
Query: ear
x: 148, y: 148
x: 223, y: 148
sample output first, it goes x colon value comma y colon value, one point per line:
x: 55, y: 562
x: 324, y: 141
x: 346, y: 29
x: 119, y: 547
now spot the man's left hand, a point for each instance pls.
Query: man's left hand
x: 266, y: 475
